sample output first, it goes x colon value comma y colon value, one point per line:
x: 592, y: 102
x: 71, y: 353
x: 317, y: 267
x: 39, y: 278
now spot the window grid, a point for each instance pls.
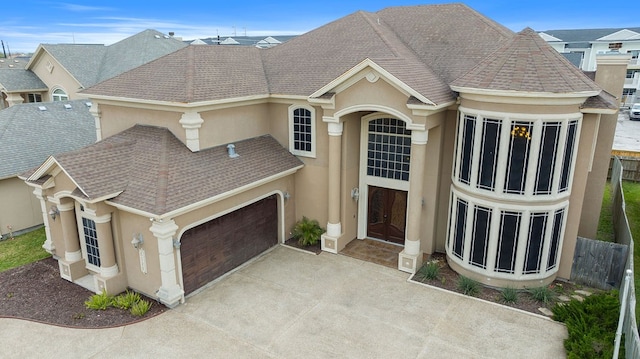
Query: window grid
x: 535, y: 242
x: 519, y: 145
x: 466, y: 150
x: 460, y: 228
x: 59, y: 95
x: 555, y: 239
x: 91, y: 241
x: 489, y: 153
x: 302, y: 130
x: 567, y: 163
x: 389, y: 149
x: 480, y: 240
x: 547, y: 157
x: 508, y: 241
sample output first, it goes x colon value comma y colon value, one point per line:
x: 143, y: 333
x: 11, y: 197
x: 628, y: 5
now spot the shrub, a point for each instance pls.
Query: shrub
x: 140, y: 307
x: 307, y: 231
x: 591, y: 324
x: 126, y: 300
x: 429, y: 271
x: 542, y: 294
x: 468, y: 286
x: 509, y: 295
x: 100, y: 301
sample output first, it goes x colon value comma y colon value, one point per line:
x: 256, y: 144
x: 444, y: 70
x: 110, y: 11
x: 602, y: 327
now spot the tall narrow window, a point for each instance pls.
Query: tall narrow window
x: 91, y: 241
x: 555, y: 239
x: 519, y: 146
x: 568, y: 156
x: 302, y: 131
x: 547, y: 157
x: 508, y: 241
x: 468, y: 126
x: 537, y: 226
x: 489, y: 153
x: 460, y: 227
x: 388, y: 149
x: 480, y: 240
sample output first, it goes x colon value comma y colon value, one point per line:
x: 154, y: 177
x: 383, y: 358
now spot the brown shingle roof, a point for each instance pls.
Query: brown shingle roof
x: 423, y: 46
x: 157, y: 174
x: 604, y: 100
x: 526, y: 63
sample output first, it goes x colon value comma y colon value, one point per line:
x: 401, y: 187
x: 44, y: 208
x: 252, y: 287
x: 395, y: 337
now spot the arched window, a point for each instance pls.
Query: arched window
x: 59, y: 95
x: 302, y: 133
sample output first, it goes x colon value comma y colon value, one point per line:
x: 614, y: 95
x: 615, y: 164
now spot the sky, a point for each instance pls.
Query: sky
x: 25, y: 24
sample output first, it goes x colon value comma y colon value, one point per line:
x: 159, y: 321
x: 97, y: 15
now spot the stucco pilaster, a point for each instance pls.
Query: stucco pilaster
x: 14, y: 99
x: 94, y: 110
x: 170, y: 292
x: 48, y: 243
x: 411, y: 257
x: 191, y: 122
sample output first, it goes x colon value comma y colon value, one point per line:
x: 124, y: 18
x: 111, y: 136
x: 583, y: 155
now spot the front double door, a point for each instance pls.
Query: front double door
x: 387, y: 214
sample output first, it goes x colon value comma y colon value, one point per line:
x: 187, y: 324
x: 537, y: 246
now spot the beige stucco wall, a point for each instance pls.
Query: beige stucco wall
x: 228, y: 125
x: 448, y: 153
x: 19, y: 208
x: 115, y: 119
x: 58, y: 78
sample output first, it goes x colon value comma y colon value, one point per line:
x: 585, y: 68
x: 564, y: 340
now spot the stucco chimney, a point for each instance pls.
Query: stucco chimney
x: 611, y: 72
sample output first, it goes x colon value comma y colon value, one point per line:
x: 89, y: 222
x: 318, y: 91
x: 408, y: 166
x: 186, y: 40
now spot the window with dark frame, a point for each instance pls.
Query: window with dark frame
x: 91, y: 241
x: 388, y: 149
x: 302, y: 130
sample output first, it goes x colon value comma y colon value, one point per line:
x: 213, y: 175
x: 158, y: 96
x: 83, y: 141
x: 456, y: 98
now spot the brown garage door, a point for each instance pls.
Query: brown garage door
x: 216, y: 247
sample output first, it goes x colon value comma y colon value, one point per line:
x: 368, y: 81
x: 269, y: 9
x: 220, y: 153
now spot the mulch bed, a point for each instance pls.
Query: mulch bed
x: 448, y: 280
x: 37, y: 292
x: 315, y: 248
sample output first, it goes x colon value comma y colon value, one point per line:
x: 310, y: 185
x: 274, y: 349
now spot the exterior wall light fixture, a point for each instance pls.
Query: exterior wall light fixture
x: 355, y: 194
x: 54, y: 212
x: 137, y: 241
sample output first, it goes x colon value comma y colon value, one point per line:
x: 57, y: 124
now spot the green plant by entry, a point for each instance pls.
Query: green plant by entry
x: 129, y: 300
x: 509, y: 295
x: 307, y: 231
x: 468, y: 286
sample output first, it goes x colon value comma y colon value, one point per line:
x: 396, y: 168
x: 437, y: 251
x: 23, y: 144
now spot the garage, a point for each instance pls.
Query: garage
x: 220, y: 245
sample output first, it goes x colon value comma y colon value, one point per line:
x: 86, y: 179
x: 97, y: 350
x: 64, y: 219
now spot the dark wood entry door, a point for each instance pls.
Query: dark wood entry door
x: 387, y: 214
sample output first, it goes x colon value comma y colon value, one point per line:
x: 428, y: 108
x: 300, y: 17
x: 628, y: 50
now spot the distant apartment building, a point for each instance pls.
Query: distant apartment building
x: 580, y: 46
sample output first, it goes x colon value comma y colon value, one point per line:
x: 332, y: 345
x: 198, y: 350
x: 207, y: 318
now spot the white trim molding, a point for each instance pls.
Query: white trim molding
x: 292, y: 140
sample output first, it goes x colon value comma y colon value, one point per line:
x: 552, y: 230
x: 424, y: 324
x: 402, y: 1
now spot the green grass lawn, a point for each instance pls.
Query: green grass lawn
x: 22, y: 250
x: 605, y: 227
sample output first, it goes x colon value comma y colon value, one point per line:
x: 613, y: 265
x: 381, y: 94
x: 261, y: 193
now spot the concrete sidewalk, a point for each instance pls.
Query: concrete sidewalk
x: 289, y: 304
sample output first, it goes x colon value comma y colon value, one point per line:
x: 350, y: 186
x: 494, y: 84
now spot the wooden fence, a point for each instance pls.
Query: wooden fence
x: 630, y: 164
x: 599, y: 264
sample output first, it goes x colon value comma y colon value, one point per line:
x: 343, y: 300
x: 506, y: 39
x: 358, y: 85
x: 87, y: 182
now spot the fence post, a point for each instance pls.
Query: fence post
x: 623, y: 310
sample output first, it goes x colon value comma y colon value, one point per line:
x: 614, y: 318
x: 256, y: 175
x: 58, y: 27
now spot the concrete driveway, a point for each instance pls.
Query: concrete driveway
x: 289, y: 304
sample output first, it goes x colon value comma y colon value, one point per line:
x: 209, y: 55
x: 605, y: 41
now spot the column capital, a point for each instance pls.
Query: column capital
x: 191, y: 119
x: 165, y: 229
x: 419, y: 137
x: 335, y: 129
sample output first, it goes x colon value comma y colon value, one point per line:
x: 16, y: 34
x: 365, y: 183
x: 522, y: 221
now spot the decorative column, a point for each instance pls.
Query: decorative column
x: 170, y: 292
x: 14, y: 99
x: 108, y: 266
x: 410, y: 259
x: 73, y: 265
x: 329, y: 240
x: 48, y: 243
x: 94, y: 110
x: 191, y: 122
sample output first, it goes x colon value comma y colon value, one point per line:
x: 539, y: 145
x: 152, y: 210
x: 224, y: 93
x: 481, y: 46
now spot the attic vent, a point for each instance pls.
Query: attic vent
x: 42, y: 108
x: 67, y: 106
x: 166, y: 36
x: 88, y: 104
x: 231, y: 149
x: 156, y: 36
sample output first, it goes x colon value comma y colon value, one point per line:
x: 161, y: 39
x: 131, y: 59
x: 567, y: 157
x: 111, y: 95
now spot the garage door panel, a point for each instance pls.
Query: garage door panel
x: 222, y: 244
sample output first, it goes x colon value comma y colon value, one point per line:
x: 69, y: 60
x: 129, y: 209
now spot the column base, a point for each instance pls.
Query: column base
x: 112, y: 285
x: 329, y: 243
x: 409, y: 262
x: 49, y: 247
x: 171, y: 296
x: 72, y: 270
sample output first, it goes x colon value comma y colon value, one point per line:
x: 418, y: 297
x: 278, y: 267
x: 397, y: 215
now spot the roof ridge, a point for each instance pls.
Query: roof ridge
x: 190, y: 70
x: 162, y: 184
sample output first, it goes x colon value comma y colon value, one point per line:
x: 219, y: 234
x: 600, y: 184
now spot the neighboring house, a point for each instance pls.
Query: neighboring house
x: 581, y: 46
x: 56, y: 72
x: 29, y: 133
x: 431, y: 127
x: 257, y: 41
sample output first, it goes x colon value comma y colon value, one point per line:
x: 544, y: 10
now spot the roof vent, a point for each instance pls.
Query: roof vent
x: 67, y: 106
x: 231, y: 149
x: 88, y: 104
x: 156, y: 36
x: 42, y: 108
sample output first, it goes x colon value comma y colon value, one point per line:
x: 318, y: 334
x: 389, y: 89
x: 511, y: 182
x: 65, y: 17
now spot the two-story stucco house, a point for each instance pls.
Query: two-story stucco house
x: 432, y: 127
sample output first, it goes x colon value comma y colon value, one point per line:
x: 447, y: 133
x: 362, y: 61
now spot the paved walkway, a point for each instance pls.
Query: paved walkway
x: 289, y: 304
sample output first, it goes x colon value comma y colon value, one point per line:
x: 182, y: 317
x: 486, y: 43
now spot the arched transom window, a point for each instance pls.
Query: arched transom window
x: 59, y: 95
